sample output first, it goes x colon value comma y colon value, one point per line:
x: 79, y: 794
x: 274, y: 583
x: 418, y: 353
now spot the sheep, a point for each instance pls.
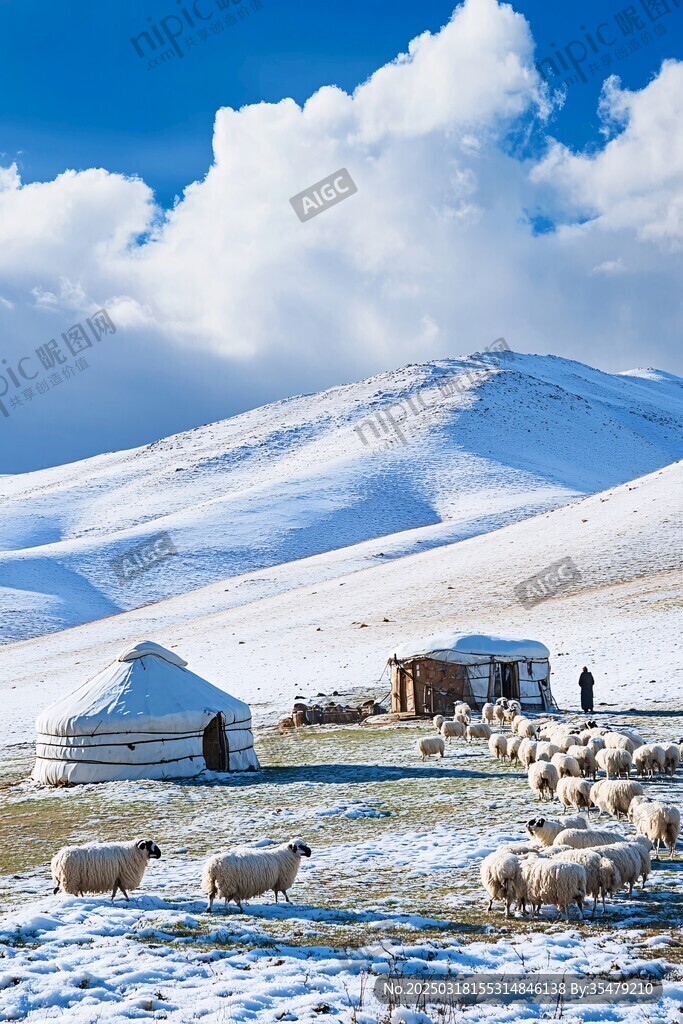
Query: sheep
x: 514, y: 708
x: 245, y: 872
x: 437, y: 722
x: 498, y: 746
x: 487, y: 713
x: 580, y: 838
x: 614, y: 796
x: 100, y: 867
x: 573, y: 792
x: 568, y: 740
x: 642, y: 761
x: 542, y: 778
x: 659, y: 821
x: 499, y: 714
x: 459, y: 717
x: 515, y: 722
x: 501, y: 874
x: 460, y: 708
x: 477, y: 731
x: 602, y: 875
x: 585, y: 758
x: 566, y: 765
x: 526, y: 753
x: 545, y: 750
x: 629, y: 859
x: 526, y: 729
x: 614, y: 761
x: 451, y: 729
x: 622, y: 741
x: 554, y: 882
x: 545, y: 830
x: 594, y: 732
x: 595, y: 743
x: 658, y: 758
x: 428, y: 745
x: 512, y: 745
x: 672, y: 759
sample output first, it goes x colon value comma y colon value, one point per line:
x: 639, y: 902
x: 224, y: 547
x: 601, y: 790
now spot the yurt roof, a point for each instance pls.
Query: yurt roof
x: 470, y: 648
x: 147, y: 689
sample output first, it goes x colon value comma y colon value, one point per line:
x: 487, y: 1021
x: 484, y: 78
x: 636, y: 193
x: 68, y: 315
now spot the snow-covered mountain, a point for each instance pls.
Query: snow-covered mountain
x: 420, y: 457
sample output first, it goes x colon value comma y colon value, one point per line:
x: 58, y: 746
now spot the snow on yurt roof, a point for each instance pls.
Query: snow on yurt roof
x: 465, y: 648
x: 146, y: 688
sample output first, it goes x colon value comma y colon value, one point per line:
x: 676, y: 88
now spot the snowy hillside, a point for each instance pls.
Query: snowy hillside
x: 474, y: 446
x: 622, y: 617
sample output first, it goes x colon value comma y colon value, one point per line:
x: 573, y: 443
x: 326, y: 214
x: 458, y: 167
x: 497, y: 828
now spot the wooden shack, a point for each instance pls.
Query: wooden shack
x: 428, y: 677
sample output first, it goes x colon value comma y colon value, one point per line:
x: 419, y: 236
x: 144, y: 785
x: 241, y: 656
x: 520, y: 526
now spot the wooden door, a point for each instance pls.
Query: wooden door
x: 214, y: 746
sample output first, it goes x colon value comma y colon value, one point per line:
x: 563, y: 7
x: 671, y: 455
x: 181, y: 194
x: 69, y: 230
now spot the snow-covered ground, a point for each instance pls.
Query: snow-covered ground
x: 474, y: 445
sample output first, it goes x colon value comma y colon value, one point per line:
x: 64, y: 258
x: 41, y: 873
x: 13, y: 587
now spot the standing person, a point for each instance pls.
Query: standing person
x: 586, y: 682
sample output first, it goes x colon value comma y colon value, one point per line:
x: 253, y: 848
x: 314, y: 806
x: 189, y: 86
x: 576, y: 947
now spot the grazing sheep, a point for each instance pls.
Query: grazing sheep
x: 459, y: 717
x: 526, y: 753
x: 553, y: 882
x: 581, y: 838
x: 585, y: 758
x: 101, y: 867
x: 498, y: 746
x: 428, y: 745
x: 594, y: 732
x: 568, y: 740
x: 499, y: 714
x: 512, y: 746
x: 672, y: 759
x: 477, y: 731
x: 545, y: 830
x: 622, y: 741
x: 573, y: 792
x: 628, y: 858
x: 602, y: 875
x: 244, y: 872
x: 615, y: 762
x: 487, y: 713
x: 543, y: 778
x: 460, y: 708
x: 642, y: 761
x: 451, y: 729
x: 526, y: 729
x: 566, y: 766
x: 614, y: 796
x: 545, y: 750
x: 595, y: 743
x: 658, y: 758
x: 515, y: 722
x: 501, y: 874
x: 437, y: 722
x: 659, y: 821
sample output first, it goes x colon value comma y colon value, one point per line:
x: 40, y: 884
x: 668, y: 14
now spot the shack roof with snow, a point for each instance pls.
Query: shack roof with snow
x: 429, y: 676
x: 146, y: 716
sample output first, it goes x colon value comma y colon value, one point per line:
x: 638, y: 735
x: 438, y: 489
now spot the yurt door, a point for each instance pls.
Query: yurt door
x: 215, y: 747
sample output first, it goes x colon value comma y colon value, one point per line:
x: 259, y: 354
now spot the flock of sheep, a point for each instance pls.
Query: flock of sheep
x: 567, y: 860
x: 239, y: 874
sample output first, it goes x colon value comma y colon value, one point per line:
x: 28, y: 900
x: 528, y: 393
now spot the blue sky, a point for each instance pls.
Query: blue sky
x: 487, y: 205
x: 77, y: 95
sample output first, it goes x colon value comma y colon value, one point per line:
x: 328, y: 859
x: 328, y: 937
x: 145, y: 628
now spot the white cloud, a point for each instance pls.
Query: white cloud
x: 433, y: 256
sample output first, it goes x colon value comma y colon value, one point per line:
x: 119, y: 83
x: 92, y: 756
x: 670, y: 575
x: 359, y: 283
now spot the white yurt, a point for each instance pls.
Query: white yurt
x: 146, y: 716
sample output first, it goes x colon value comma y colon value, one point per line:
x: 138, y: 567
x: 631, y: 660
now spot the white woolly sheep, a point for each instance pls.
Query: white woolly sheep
x: 573, y: 792
x: 585, y: 758
x: 602, y: 875
x: 566, y: 766
x: 515, y: 722
x: 245, y: 872
x: 477, y: 731
x: 553, y: 882
x: 569, y: 739
x: 459, y: 717
x: 545, y: 830
x: 658, y: 758
x: 642, y: 761
x: 545, y: 750
x: 629, y: 861
x: 526, y: 729
x: 102, y: 867
x: 460, y: 708
x: 501, y: 877
x: 498, y: 745
x: 595, y: 743
x: 453, y: 729
x: 526, y: 753
x: 429, y: 745
x: 615, y: 762
x: 487, y: 713
x: 672, y: 758
x: 622, y: 741
x: 437, y: 722
x: 581, y: 838
x: 592, y: 733
x: 614, y: 796
x: 512, y: 746
x: 499, y: 714
x: 659, y: 821
x: 543, y: 778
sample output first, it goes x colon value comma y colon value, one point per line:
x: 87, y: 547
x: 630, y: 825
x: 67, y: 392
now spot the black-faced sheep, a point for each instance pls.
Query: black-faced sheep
x: 102, y: 867
x: 546, y: 830
x: 243, y: 872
